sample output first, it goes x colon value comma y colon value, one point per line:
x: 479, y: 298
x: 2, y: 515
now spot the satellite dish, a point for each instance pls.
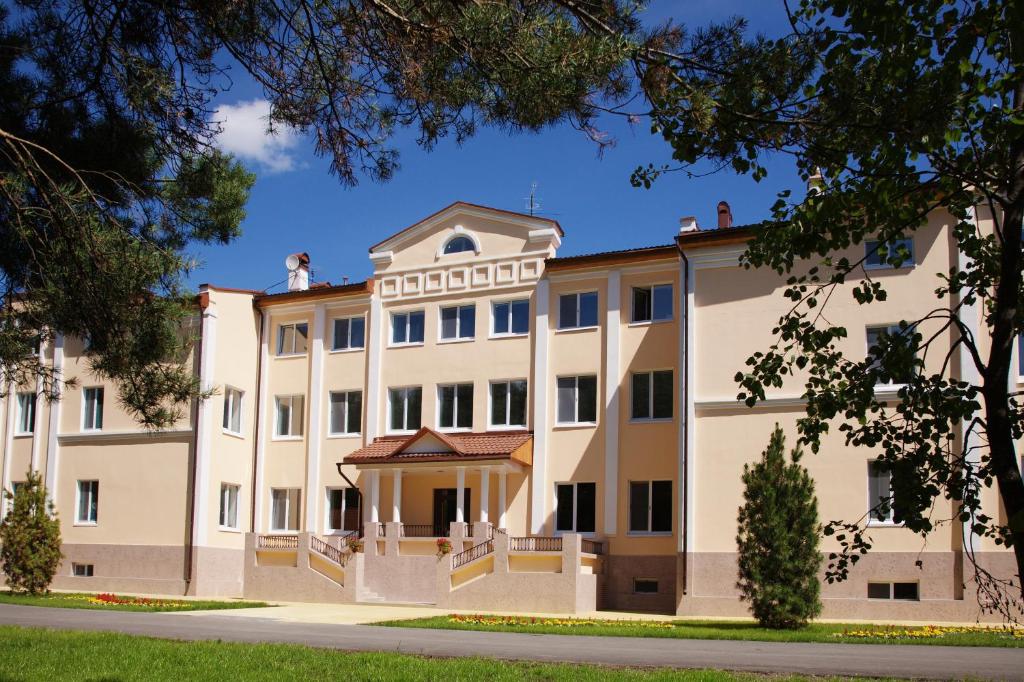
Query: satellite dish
x: 292, y: 263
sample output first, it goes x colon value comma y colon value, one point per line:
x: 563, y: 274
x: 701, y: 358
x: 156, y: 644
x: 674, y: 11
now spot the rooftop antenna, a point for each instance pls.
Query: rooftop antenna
x: 532, y: 202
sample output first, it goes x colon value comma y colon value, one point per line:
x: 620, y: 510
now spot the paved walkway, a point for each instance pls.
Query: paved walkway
x: 936, y: 662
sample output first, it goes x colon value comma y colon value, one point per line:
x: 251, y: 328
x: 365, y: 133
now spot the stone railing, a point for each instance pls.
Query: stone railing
x: 535, y: 544
x: 592, y: 546
x: 331, y: 552
x: 473, y: 553
x: 277, y: 542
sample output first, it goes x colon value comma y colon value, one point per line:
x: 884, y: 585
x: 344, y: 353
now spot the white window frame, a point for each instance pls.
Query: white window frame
x: 509, y: 334
x: 650, y: 397
x: 452, y: 237
x: 559, y: 327
x: 334, y: 338
x: 458, y: 338
x: 26, y: 400
x: 873, y: 521
x: 891, y: 584
x: 650, y: 508
x: 88, y: 570
x: 327, y: 509
x: 85, y: 402
x: 94, y: 499
x: 278, y: 400
x: 287, y: 511
x: 408, y: 317
x: 225, y: 497
x: 279, y: 345
x: 575, y: 508
x: 891, y: 330
x: 455, y: 407
x: 576, y: 401
x: 873, y: 244
x: 234, y: 404
x: 651, y: 287
x: 507, y: 426
x: 405, y: 411
x: 330, y: 407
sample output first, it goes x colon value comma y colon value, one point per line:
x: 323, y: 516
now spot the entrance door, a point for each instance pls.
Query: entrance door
x: 445, y: 508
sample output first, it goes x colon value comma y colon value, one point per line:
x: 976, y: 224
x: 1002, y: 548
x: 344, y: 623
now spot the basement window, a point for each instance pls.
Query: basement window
x: 645, y: 586
x: 895, y: 591
x: 81, y: 570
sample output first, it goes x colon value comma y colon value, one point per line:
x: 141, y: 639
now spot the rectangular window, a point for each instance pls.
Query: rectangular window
x: 284, y: 509
x: 88, y: 501
x: 405, y: 407
x: 511, y: 318
x: 874, y: 335
x: 650, y: 507
x: 645, y: 586
x: 292, y: 339
x: 897, y: 254
x: 577, y: 310
x: 458, y: 322
x: 901, y: 591
x: 229, y: 506
x: 289, y: 415
x: 342, y: 509
x: 575, y: 505
x: 82, y: 570
x: 879, y: 493
x: 652, y: 395
x: 652, y: 304
x: 26, y: 413
x: 407, y: 328
x: 577, y: 400
x: 232, y: 410
x: 92, y: 413
x: 455, y: 406
x: 346, y: 412
x: 508, y: 403
x: 349, y: 333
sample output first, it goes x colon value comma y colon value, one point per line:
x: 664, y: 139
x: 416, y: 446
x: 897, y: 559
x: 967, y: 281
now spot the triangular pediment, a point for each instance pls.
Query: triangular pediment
x: 426, y: 440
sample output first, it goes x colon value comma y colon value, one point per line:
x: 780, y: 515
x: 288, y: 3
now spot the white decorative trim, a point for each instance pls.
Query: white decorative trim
x: 376, y: 322
x: 316, y: 399
x: 688, y: 429
x: 259, y: 522
x: 459, y: 209
x: 52, y: 443
x: 204, y: 423
x: 382, y: 258
x: 612, y: 383
x: 721, y: 257
x: 969, y: 316
x: 540, y: 409
x: 8, y: 443
x: 374, y: 495
x: 458, y: 231
x: 883, y: 392
x: 547, y: 235
x: 37, y: 432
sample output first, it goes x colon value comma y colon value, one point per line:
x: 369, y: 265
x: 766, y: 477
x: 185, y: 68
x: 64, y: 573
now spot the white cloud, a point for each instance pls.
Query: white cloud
x: 244, y: 134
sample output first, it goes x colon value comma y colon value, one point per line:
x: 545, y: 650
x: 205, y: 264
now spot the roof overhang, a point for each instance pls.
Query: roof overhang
x: 426, y: 448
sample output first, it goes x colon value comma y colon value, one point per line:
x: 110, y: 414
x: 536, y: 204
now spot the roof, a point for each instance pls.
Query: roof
x: 722, y: 235
x: 609, y: 257
x: 314, y: 292
x: 466, y: 204
x: 428, y: 445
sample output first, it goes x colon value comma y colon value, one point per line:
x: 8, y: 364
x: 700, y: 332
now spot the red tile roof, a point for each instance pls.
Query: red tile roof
x: 461, y: 446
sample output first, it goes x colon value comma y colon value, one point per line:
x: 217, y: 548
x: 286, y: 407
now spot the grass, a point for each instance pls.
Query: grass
x: 109, y: 602
x: 39, y: 654
x: 843, y: 633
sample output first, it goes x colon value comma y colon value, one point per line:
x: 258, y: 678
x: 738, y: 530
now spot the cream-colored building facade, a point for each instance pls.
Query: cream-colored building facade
x: 566, y: 426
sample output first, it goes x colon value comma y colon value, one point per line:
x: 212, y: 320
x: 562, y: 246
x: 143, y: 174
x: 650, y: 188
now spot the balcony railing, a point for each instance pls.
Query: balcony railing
x: 421, y: 530
x: 535, y: 544
x: 473, y: 553
x: 592, y: 546
x: 321, y: 547
x: 277, y: 542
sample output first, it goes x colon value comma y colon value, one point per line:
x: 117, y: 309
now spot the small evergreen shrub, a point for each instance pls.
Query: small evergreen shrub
x: 30, y: 537
x: 778, y: 539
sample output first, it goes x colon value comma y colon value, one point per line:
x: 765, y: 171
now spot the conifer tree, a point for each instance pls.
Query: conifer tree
x: 778, y: 539
x: 30, y: 537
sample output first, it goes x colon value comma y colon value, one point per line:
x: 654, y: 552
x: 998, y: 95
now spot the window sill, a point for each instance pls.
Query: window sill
x: 233, y: 434
x: 648, y: 323
x: 520, y: 335
x: 567, y: 330
x: 445, y: 342
x: 418, y: 344
x: 885, y: 524
x: 85, y: 524
x: 85, y: 430
x: 286, y: 439
x: 335, y: 351
x: 905, y: 266
x: 228, y: 529
x: 23, y: 435
x: 454, y: 429
x: 648, y: 534
x: 506, y: 427
x: 338, y: 531
x: 589, y: 535
x: 657, y: 420
x: 282, y: 531
x: 335, y: 436
x: 574, y: 425
x: 390, y: 432
x: 289, y: 356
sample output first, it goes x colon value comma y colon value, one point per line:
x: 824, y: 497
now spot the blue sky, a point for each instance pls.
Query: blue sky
x: 296, y: 205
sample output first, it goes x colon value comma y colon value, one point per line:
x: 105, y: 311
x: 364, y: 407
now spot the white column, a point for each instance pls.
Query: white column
x: 613, y: 321
x: 539, y: 486
x: 374, y: 496
x: 315, y: 402
x: 969, y: 317
x: 37, y: 432
x: 502, y: 512
x: 12, y: 398
x: 259, y: 522
x: 485, y: 499
x: 204, y: 425
x: 460, y: 495
x: 52, y: 442
x: 396, y: 504
x: 688, y: 424
x: 373, y: 397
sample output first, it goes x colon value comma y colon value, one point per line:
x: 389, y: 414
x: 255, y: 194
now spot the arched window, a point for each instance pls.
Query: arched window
x: 459, y: 244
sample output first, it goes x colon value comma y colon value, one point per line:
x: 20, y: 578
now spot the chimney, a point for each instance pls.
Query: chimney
x: 688, y: 224
x: 298, y: 271
x: 724, y: 216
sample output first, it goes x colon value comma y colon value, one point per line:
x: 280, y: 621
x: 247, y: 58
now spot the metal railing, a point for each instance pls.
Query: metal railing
x: 473, y: 553
x: 321, y: 547
x: 419, y: 530
x: 535, y: 544
x: 277, y: 542
x: 592, y: 546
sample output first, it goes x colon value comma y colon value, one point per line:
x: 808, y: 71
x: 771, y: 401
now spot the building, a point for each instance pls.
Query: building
x: 568, y: 426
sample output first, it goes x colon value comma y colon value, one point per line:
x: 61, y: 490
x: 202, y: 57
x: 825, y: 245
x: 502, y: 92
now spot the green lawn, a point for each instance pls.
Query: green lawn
x: 38, y: 654
x: 696, y: 629
x: 80, y: 600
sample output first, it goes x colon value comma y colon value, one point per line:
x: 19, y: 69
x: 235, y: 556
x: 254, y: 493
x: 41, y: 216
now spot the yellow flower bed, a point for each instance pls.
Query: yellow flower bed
x: 524, y: 621
x: 930, y: 632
